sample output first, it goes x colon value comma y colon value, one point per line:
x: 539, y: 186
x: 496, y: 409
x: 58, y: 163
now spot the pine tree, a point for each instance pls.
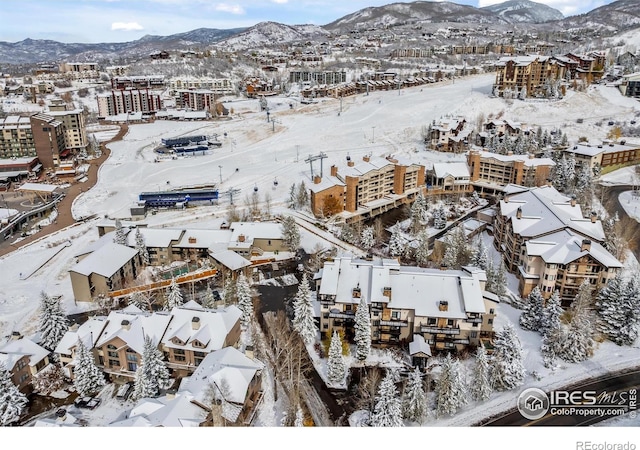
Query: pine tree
x: 229, y: 292
x: 303, y: 321
x: 496, y: 279
x: 290, y: 233
x: 440, y: 217
x: 87, y: 378
x: 457, y: 253
x: 174, y: 296
x: 531, y: 317
x: 617, y: 310
x: 141, y: 247
x: 302, y: 197
x: 335, y: 365
x: 367, y: 238
x: 12, y: 401
x: 507, y: 369
x: 550, y: 319
x: 481, y: 382
x: 120, y: 236
x: 396, y: 242
x: 362, y: 330
x: 480, y: 255
x: 292, y: 197
x: 53, y: 323
x: 245, y: 301
x: 208, y: 300
x: 388, y: 409
x: 578, y: 343
x: 48, y: 380
x: 152, y: 374
x: 451, y: 391
x: 139, y: 300
x: 415, y: 399
x: 422, y: 249
x: 417, y: 213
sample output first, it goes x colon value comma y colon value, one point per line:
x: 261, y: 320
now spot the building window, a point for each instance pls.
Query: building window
x: 23, y: 378
x: 473, y: 334
x: 395, y: 315
x: 131, y: 355
x: 114, y: 362
x: 450, y: 322
x: 431, y: 321
x: 111, y: 350
x: 325, y: 326
x: 132, y: 367
x: 490, y: 321
x: 492, y: 311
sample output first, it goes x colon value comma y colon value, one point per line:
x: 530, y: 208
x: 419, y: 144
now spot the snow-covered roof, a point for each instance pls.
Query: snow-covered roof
x: 88, y: 333
x: 325, y: 183
x: 106, y: 260
x: 419, y: 345
x: 230, y: 259
x: 140, y: 325
x: 25, y: 346
x: 229, y: 370
x: 460, y: 288
x: 101, y: 241
x: 179, y: 411
x: 213, y: 327
x: 156, y: 237
x: 455, y: 169
x: 529, y: 160
x: 194, y: 238
x: 362, y: 167
x: 38, y: 187
x: 255, y: 230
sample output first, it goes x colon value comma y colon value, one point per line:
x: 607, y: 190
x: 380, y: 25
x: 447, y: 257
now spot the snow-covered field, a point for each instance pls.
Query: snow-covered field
x: 382, y: 123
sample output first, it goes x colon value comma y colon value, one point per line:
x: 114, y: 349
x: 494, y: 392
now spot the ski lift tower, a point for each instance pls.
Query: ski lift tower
x: 230, y: 192
x: 311, y: 159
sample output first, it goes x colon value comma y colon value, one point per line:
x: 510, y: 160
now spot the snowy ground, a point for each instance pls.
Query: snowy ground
x: 382, y: 123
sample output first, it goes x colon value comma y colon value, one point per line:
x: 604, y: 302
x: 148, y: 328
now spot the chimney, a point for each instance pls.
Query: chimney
x: 519, y: 212
x: 241, y: 238
x: 248, y: 351
x: 506, y: 199
x: 509, y: 153
x: 61, y: 415
x: 195, y: 323
x: 573, y: 200
x: 594, y: 216
x: 531, y: 156
x: 317, y: 179
x: 192, y: 240
x: 443, y: 305
x: 15, y: 335
x: 586, y: 245
x: 549, y: 182
x: 171, y: 394
x: 334, y: 170
x: 350, y: 163
x: 366, y: 158
x: 443, y: 266
x: 126, y: 325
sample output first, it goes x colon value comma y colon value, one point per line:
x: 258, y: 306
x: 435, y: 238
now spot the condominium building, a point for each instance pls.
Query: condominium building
x: 449, y: 135
x: 129, y: 100
x: 531, y: 74
x: 220, y: 86
x: 604, y: 154
x: 196, y: 99
x: 49, y: 139
x: 491, y: 172
x: 447, y: 309
x: 138, y: 82
x: 16, y: 137
x: 73, y: 123
x: 317, y: 77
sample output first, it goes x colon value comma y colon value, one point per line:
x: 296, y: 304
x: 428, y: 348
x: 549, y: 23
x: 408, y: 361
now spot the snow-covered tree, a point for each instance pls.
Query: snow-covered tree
x: 496, y: 279
x: 550, y: 319
x: 229, y: 292
x: 299, y: 421
x: 388, y: 409
x: 335, y: 364
x: 451, y: 389
x: 141, y: 247
x: 367, y: 238
x: 87, y: 377
x: 290, y: 233
x: 245, y: 300
x: 507, y: 369
x: 53, y: 323
x: 303, y: 321
x: 362, y: 330
x: 457, y: 253
x: 422, y: 251
x: 396, y: 242
x: 302, y: 196
x: 618, y: 310
x: 174, y: 296
x: 440, y: 217
x: 481, y: 381
x: 48, y: 380
x: 208, y: 300
x: 139, y: 300
x: 152, y: 374
x: 12, y: 401
x: 415, y: 398
x: 531, y: 317
x: 418, y: 213
x: 480, y: 255
x: 120, y: 236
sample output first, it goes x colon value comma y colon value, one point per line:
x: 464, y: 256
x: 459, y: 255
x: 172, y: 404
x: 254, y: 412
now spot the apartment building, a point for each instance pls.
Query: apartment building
x: 449, y: 178
x: 73, y: 123
x: 16, y: 137
x: 363, y: 187
x: 24, y: 359
x: 138, y: 82
x: 630, y: 85
x: 449, y: 135
x: 491, y: 172
x: 49, y: 139
x: 129, y: 100
x: 79, y: 70
x: 448, y: 309
x: 532, y: 73
x: 562, y: 261
x: 589, y: 67
x: 535, y: 213
x: 605, y: 154
x: 220, y: 86
x: 196, y: 99
x: 317, y: 77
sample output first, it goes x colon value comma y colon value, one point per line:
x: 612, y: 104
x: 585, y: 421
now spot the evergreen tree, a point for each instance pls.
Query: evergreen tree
x: 208, y: 301
x: 457, y: 253
x: 418, y: 213
x: 293, y: 197
x: 451, y: 390
x: 141, y: 247
x: 87, y: 377
x: 290, y: 234
x: 496, y: 280
x: 362, y: 330
x: 229, y: 292
x: 531, y: 317
x: 335, y: 364
x: 388, y: 409
x: 577, y: 344
x: 422, y: 249
x: 139, y: 300
x: 53, y: 323
x: 440, y: 217
x: 415, y: 399
x: 12, y: 401
x: 303, y: 321
x: 550, y: 319
x: 367, y: 238
x: 152, y: 374
x: 174, y: 296
x: 245, y: 302
x: 507, y: 369
x: 120, y: 237
x: 481, y: 382
x: 302, y: 197
x: 480, y: 255
x: 396, y: 242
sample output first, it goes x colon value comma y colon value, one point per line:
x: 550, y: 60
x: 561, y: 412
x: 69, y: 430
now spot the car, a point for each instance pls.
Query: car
x: 87, y: 402
x: 124, y: 391
x: 633, y: 122
x: 611, y: 122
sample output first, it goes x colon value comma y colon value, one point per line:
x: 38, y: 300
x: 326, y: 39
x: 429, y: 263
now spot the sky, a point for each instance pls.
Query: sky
x: 92, y: 21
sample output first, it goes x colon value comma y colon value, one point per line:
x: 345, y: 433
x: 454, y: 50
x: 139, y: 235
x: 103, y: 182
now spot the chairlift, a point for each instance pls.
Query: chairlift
x: 275, y: 182
x: 255, y: 188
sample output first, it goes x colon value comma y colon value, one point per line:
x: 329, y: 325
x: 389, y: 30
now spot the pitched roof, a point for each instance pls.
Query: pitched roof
x: 25, y: 346
x: 140, y: 325
x: 179, y: 411
x: 88, y: 333
x: 106, y: 260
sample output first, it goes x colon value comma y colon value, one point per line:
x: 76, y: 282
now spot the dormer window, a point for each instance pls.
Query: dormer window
x: 197, y: 344
x: 177, y: 341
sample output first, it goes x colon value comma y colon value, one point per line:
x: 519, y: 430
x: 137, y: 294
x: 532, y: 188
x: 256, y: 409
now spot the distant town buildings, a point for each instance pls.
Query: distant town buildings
x: 126, y: 101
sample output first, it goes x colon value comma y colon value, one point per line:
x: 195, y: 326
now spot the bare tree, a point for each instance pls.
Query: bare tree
x: 367, y: 389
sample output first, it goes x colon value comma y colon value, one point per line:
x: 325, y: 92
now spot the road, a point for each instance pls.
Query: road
x: 612, y: 205
x: 610, y: 383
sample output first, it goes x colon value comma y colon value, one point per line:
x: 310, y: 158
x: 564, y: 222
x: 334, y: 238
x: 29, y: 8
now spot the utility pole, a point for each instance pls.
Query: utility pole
x: 373, y: 134
x: 297, y: 153
x: 220, y: 167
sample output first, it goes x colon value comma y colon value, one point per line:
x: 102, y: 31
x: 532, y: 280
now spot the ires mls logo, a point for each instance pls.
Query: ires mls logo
x: 533, y: 403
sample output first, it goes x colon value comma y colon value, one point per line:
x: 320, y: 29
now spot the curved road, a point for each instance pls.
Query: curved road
x: 622, y: 382
x: 612, y: 205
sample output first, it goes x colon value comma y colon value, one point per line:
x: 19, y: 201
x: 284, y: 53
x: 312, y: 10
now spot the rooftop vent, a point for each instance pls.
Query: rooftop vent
x: 195, y: 323
x: 125, y: 324
x: 443, y: 305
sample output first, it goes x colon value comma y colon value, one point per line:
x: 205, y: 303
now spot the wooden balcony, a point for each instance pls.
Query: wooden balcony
x: 437, y: 330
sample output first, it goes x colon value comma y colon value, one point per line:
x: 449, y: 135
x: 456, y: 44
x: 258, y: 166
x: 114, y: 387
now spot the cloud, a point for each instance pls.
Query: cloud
x: 280, y: 1
x: 232, y: 9
x: 126, y: 26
